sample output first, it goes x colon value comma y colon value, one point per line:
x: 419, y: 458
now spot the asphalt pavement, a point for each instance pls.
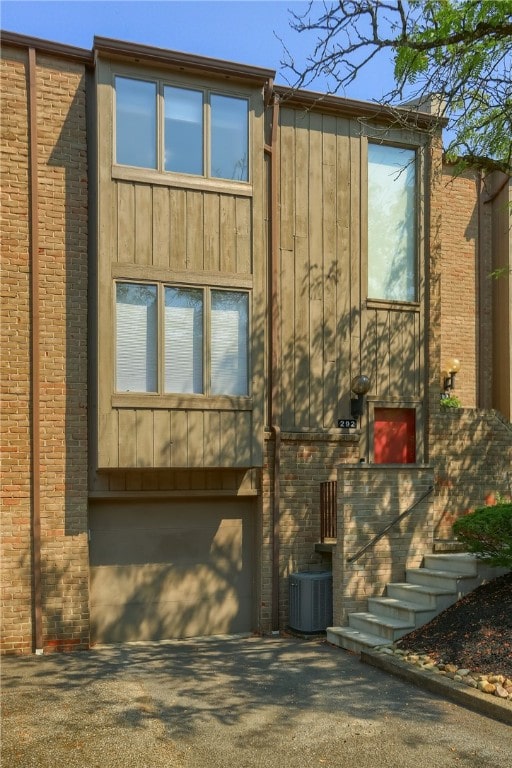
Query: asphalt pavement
x: 250, y: 702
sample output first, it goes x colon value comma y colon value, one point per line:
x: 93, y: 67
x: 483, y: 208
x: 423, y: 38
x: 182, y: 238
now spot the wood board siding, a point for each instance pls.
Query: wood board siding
x: 183, y: 230
x: 190, y: 232
x: 330, y: 332
x: 155, y: 228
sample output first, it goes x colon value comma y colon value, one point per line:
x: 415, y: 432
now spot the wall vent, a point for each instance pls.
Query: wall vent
x: 311, y: 601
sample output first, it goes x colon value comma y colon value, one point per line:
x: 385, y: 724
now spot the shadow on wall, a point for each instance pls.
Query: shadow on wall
x: 70, y: 154
x: 473, y: 462
x: 173, y: 569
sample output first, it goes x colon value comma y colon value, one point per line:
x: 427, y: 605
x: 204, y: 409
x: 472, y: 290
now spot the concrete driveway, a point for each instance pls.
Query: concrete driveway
x: 217, y: 703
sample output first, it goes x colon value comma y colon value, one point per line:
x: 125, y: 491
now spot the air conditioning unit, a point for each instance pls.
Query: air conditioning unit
x: 311, y: 601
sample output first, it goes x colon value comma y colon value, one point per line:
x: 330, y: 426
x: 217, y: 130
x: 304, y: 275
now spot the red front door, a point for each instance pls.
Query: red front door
x: 395, y: 436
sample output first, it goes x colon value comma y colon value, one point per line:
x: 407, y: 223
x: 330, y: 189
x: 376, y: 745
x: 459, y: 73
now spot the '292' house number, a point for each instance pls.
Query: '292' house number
x: 347, y: 423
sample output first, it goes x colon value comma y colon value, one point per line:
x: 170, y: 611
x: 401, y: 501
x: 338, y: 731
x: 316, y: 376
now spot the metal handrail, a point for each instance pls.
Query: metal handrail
x: 390, y: 525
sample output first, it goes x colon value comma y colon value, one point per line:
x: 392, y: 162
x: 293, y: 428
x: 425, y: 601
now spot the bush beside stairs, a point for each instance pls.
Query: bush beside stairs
x: 441, y: 581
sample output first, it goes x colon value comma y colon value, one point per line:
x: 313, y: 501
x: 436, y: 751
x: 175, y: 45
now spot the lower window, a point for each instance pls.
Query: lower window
x: 181, y: 340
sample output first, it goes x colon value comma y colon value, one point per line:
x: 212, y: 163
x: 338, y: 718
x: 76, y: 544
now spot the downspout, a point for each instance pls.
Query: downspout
x: 35, y: 355
x: 274, y: 346
x: 481, y: 399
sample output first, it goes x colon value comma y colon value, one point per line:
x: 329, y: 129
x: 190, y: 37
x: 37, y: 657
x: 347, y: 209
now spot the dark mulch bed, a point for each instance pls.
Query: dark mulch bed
x: 475, y: 633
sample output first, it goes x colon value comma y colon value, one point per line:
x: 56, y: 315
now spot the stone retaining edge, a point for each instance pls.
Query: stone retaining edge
x: 473, y: 699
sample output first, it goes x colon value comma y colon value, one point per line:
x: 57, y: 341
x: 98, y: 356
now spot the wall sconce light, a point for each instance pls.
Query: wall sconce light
x: 360, y: 386
x: 452, y: 368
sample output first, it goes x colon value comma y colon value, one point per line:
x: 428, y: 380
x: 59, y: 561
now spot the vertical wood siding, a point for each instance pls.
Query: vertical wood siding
x: 329, y: 334
x: 145, y: 228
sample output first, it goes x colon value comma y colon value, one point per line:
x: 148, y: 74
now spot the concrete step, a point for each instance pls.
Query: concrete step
x: 457, y: 562
x: 433, y: 598
x: 458, y: 583
x: 385, y: 627
x: 410, y: 612
x: 352, y: 640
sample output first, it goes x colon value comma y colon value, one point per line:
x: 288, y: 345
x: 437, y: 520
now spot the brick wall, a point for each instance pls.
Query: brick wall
x: 466, y: 302
x: 62, y: 217
x: 369, y: 498
x: 472, y: 456
x: 306, y: 461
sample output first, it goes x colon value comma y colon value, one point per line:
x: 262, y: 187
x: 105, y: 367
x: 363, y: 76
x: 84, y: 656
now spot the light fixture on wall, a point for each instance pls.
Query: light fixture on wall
x: 360, y: 386
x: 452, y: 368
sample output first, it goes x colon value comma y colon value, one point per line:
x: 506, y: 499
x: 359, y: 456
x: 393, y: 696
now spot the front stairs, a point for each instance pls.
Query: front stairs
x: 443, y: 579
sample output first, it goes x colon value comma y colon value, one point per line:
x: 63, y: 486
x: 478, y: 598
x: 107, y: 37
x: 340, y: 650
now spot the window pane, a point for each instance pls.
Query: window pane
x: 391, y: 223
x: 229, y: 139
x: 136, y: 338
x: 183, y: 130
x: 135, y: 122
x: 229, y: 343
x: 183, y: 340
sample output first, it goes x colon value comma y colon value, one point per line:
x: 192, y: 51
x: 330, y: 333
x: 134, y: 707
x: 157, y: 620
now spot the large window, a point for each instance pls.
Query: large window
x: 392, y: 248
x: 200, y: 335
x: 204, y: 133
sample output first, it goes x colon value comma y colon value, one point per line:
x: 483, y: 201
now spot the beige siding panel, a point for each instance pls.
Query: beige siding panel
x: 299, y: 344
x: 392, y: 351
x: 369, y: 349
x: 355, y: 248
x: 212, y: 431
x: 179, y: 439
x: 143, y: 224
x: 228, y: 423
x: 244, y: 438
x: 302, y: 174
x: 330, y: 274
x: 127, y: 438
x: 195, y: 226
x: 211, y: 232
x: 126, y: 223
x: 195, y: 438
x: 243, y: 235
x: 178, y: 229
x: 288, y: 320
x: 228, y: 234
x: 145, y: 439
x: 344, y: 307
x: 161, y: 227
x: 296, y: 348
x: 162, y: 438
x: 287, y: 179
x: 108, y: 439
x: 316, y: 277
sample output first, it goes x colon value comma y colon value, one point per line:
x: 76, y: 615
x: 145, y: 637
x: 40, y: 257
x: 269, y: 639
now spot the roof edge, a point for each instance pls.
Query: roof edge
x: 325, y: 102
x: 14, y: 39
x: 105, y: 45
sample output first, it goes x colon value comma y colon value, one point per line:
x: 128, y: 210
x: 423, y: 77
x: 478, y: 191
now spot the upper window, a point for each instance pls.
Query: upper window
x: 199, y: 334
x: 392, y: 259
x: 203, y: 133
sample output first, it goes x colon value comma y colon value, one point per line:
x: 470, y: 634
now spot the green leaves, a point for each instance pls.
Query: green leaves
x: 457, y: 50
x: 487, y: 532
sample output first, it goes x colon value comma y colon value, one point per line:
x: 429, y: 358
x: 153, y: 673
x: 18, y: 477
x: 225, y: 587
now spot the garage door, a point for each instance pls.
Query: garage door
x: 163, y: 570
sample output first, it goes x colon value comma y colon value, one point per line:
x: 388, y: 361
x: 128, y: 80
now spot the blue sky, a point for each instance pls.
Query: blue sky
x: 245, y: 31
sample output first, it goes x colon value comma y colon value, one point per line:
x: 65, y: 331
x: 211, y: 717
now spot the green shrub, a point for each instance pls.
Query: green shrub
x: 452, y: 401
x: 487, y: 532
